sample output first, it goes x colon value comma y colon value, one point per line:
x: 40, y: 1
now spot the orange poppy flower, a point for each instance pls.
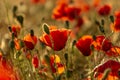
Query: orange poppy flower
x: 55, y: 64
x: 55, y: 59
x: 30, y: 41
x: 15, y: 29
x: 114, y: 51
x: 114, y: 67
x: 100, y: 43
x: 65, y: 12
x: 56, y: 39
x: 84, y: 43
x: 6, y: 71
x: 104, y: 10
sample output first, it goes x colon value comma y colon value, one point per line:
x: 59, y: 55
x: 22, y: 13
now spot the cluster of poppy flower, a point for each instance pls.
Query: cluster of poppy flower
x: 56, y: 39
x: 6, y: 70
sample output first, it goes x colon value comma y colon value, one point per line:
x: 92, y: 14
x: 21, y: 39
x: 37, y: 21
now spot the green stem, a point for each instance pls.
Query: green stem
x: 7, y: 11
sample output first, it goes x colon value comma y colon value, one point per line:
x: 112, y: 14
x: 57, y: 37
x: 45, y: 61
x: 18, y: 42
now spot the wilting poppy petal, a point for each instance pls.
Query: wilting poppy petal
x: 100, y: 43
x: 110, y: 64
x: 104, y: 10
x: 57, y: 38
x: 84, y: 43
x: 30, y: 41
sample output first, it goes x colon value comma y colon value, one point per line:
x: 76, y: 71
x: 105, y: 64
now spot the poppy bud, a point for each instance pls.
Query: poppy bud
x: 31, y: 32
x: 46, y: 29
x: 112, y: 19
x: 20, y: 19
x: 11, y: 44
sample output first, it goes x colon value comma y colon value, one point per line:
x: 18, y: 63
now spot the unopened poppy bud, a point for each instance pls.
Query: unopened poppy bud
x: 94, y: 37
x: 10, y: 29
x: 13, y: 35
x: 102, y: 29
x: 102, y: 22
x: 74, y: 42
x: 20, y: 19
x: 21, y: 44
x: 66, y: 57
x: 67, y: 24
x: 14, y: 10
x: 112, y: 19
x: 46, y: 29
x: 12, y: 44
x: 47, y: 59
x: 31, y: 32
x: 92, y: 47
x: 96, y: 22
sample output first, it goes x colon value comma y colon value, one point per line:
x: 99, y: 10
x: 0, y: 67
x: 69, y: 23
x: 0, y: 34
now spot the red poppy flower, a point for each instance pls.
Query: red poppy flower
x: 114, y: 51
x: 84, y: 43
x: 116, y: 25
x: 104, y: 10
x: 6, y: 71
x: 15, y: 30
x: 56, y: 39
x: 101, y: 43
x: 35, y: 61
x: 30, y: 41
x: 65, y: 12
x: 72, y: 12
x: 114, y: 67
